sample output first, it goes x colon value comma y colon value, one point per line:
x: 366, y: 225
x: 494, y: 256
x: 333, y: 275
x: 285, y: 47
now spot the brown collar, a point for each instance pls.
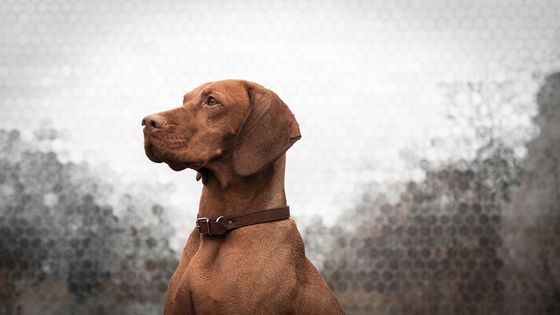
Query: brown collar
x: 224, y: 224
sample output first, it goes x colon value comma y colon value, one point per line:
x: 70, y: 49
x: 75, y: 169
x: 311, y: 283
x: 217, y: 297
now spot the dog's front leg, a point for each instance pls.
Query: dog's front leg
x: 178, y: 300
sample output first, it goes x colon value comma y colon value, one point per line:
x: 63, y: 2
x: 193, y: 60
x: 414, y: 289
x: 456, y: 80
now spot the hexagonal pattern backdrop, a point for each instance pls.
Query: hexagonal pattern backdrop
x: 426, y: 182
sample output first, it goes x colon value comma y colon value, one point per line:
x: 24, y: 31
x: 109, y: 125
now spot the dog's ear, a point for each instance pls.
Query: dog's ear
x: 268, y: 130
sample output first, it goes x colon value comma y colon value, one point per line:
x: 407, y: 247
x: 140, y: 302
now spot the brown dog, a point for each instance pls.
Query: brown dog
x: 235, y: 134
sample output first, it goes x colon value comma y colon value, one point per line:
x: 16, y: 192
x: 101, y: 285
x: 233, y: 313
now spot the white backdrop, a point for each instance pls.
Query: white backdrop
x: 366, y: 80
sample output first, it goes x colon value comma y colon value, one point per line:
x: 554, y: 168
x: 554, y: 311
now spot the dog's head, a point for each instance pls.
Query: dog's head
x: 232, y: 119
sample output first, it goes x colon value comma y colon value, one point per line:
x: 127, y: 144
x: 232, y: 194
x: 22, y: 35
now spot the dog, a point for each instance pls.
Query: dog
x: 245, y: 254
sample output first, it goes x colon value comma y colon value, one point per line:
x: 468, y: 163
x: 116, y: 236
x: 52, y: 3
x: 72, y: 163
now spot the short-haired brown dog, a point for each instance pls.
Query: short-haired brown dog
x: 245, y: 255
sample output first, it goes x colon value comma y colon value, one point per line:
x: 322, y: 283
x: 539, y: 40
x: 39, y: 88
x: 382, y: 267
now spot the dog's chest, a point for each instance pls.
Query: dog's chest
x: 237, y: 281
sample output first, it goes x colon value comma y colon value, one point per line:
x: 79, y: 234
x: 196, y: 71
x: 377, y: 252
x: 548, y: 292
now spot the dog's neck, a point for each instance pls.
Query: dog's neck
x: 226, y: 193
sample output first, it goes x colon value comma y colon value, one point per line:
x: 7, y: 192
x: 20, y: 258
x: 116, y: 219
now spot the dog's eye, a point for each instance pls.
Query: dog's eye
x: 211, y: 101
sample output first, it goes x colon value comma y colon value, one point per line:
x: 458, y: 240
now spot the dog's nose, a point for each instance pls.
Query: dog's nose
x: 154, y: 121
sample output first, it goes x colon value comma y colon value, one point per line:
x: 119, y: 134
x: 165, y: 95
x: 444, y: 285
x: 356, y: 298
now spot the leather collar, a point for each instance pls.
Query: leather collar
x: 224, y: 224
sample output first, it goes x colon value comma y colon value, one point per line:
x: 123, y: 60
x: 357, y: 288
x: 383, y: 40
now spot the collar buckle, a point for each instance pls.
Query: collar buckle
x: 205, y: 220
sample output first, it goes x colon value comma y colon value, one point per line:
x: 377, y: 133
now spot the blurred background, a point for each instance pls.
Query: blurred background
x: 427, y: 180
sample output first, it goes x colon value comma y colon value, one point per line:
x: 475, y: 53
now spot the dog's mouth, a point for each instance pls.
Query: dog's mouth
x: 174, y: 163
x: 149, y: 150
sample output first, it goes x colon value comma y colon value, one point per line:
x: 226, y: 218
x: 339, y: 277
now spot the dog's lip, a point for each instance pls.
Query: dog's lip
x: 151, y: 141
x: 173, y: 164
x: 196, y: 165
x: 179, y: 166
x: 149, y: 150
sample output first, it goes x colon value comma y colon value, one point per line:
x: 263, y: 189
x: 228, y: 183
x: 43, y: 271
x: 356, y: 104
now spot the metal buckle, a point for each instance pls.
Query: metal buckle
x: 219, y: 218
x: 207, y: 225
x: 226, y: 224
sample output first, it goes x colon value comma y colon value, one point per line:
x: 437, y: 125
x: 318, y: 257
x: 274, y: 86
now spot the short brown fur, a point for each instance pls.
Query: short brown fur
x: 235, y: 134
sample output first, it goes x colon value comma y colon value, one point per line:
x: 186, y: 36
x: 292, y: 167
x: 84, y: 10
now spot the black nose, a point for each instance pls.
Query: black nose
x: 154, y: 121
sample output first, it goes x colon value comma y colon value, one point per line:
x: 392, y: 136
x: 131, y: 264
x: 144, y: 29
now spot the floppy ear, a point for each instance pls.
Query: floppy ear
x: 268, y: 130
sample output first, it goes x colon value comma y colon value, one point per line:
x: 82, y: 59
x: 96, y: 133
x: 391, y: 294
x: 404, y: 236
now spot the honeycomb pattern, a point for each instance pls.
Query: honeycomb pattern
x: 435, y: 251
x: 426, y: 181
x: 479, y: 238
x: 65, y: 250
